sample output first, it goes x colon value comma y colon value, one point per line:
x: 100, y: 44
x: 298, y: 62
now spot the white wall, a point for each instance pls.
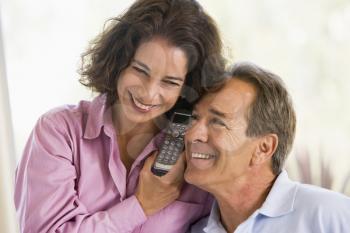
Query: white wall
x: 306, y: 42
x: 7, y: 154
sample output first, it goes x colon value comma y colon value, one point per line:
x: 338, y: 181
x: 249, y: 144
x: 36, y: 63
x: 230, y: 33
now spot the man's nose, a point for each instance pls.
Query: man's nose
x: 198, y: 131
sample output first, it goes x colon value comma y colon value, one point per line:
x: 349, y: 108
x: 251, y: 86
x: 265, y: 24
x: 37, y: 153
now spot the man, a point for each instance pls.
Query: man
x: 236, y: 148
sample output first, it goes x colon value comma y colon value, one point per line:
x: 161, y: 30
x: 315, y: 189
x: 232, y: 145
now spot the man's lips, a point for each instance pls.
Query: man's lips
x: 196, y: 155
x: 200, y: 150
x: 201, y: 161
x: 200, y: 155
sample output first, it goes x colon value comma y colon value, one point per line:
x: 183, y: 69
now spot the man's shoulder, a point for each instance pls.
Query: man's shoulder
x: 315, y: 194
x: 321, y: 200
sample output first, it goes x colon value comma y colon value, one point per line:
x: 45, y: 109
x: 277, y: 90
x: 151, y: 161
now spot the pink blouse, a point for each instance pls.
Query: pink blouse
x: 71, y: 179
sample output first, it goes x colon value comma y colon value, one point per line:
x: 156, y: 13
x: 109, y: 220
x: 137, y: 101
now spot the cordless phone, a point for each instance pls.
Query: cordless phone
x: 173, y: 143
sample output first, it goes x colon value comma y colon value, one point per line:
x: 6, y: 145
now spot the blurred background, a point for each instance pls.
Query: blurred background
x: 306, y: 42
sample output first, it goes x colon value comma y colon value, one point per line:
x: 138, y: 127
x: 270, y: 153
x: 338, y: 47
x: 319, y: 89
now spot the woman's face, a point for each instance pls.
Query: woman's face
x: 152, y: 83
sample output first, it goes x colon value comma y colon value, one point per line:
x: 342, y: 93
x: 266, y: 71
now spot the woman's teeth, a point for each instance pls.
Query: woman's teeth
x: 201, y: 156
x: 141, y: 105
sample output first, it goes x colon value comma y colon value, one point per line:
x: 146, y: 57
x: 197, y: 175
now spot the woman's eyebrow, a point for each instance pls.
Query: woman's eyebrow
x: 175, y: 78
x: 141, y: 64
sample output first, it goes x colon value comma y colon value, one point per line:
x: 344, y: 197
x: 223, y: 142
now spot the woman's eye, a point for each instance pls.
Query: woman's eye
x: 171, y: 83
x: 139, y: 70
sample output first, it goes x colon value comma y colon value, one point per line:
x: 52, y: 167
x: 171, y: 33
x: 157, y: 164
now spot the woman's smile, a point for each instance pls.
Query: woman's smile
x: 140, y: 106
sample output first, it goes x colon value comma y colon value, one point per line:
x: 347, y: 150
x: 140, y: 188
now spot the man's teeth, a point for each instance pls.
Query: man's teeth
x: 202, y: 156
x: 142, y: 106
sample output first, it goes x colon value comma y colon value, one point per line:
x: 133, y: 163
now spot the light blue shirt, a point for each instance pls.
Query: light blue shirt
x: 290, y: 207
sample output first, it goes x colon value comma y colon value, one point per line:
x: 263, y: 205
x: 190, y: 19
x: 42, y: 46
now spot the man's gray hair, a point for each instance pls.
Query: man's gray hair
x: 272, y: 110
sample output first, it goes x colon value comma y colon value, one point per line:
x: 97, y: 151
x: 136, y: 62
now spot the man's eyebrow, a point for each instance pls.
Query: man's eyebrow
x: 141, y: 64
x: 212, y: 111
x: 217, y: 112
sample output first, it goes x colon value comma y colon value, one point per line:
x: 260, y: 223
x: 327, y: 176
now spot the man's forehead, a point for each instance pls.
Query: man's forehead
x: 235, y: 96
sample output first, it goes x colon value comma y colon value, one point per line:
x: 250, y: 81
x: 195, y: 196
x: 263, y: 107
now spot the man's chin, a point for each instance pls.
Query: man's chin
x: 188, y: 176
x: 196, y: 180
x: 192, y: 177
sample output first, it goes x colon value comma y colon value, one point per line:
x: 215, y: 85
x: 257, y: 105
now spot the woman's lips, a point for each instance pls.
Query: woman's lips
x: 141, y: 107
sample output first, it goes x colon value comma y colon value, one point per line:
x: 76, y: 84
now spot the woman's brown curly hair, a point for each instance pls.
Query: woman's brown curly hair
x: 182, y: 22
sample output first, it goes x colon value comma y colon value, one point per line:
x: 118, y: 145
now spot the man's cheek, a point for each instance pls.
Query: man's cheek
x: 229, y: 142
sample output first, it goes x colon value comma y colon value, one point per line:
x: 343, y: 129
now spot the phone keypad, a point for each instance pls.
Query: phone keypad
x: 170, y: 150
x: 172, y: 146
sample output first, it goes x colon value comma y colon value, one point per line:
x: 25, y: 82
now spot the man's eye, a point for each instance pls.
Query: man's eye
x: 218, y: 122
x: 139, y: 70
x: 193, y: 119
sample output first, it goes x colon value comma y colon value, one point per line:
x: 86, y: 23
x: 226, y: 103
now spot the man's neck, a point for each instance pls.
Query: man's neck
x: 239, y: 200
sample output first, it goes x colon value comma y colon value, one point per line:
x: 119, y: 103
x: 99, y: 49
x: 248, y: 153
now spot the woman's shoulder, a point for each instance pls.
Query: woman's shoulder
x: 67, y: 112
x: 68, y: 116
x: 84, y: 107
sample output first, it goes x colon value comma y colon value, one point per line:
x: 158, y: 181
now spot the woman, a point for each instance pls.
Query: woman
x: 86, y: 168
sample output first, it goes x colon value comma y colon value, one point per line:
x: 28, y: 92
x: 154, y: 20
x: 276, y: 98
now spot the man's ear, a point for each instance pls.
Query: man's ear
x: 265, y: 148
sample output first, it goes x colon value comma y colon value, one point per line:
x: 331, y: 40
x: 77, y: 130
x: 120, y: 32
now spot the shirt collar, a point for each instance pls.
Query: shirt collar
x: 98, y: 115
x: 281, y: 198
x: 214, y: 223
x: 280, y: 201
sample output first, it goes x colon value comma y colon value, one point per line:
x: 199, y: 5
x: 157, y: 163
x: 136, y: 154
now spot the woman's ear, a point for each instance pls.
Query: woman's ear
x: 266, y: 147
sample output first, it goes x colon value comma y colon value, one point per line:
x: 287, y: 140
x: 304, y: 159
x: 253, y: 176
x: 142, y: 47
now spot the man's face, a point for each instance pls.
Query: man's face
x: 217, y: 148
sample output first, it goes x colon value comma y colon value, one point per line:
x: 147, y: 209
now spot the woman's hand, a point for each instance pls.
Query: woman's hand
x: 153, y: 192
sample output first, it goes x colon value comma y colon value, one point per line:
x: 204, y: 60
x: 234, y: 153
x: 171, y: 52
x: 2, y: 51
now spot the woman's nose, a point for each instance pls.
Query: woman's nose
x: 150, y: 92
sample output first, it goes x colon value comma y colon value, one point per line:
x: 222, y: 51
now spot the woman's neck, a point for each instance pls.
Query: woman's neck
x: 132, y: 137
x: 129, y: 128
